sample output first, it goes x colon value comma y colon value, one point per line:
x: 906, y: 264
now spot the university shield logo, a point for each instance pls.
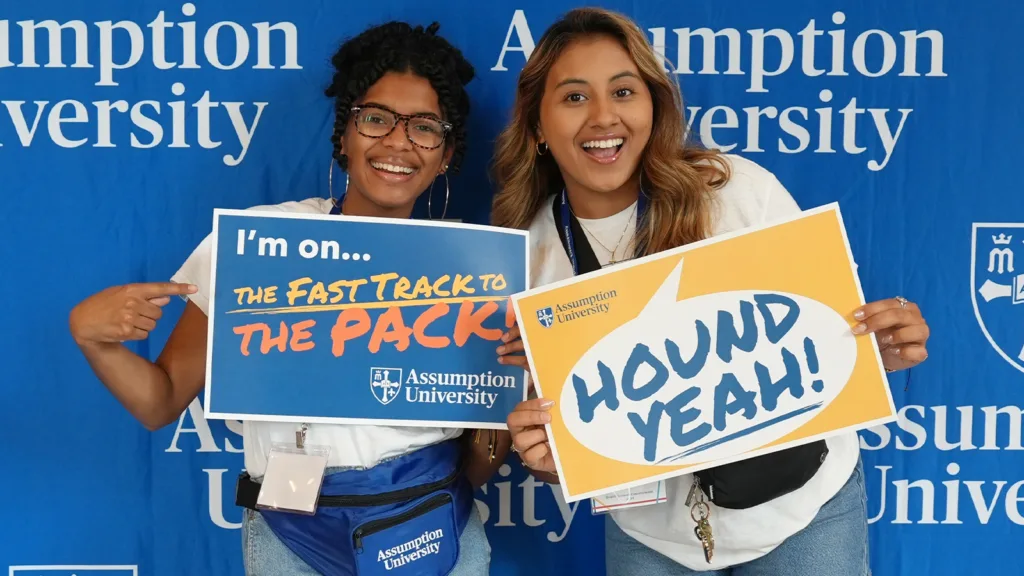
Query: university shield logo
x: 997, y: 287
x: 546, y: 317
x: 385, y: 383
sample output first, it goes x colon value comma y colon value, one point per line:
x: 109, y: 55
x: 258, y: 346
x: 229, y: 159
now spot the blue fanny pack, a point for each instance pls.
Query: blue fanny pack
x: 401, y: 517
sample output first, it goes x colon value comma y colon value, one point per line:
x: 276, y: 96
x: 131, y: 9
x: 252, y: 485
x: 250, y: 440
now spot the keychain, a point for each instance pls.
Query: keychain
x: 700, y: 511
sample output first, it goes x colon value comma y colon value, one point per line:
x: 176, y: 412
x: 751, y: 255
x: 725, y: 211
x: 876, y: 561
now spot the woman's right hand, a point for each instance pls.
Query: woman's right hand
x: 529, y: 437
x: 121, y: 313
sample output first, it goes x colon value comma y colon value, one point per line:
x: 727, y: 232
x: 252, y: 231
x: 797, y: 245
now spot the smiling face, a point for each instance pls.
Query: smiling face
x: 387, y: 172
x: 596, y: 116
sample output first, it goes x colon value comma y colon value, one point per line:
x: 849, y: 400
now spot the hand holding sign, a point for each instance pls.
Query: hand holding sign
x: 901, y: 331
x: 122, y: 313
x: 529, y: 438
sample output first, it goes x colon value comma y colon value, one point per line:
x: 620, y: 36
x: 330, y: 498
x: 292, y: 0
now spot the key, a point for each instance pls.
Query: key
x: 706, y: 539
x: 700, y: 512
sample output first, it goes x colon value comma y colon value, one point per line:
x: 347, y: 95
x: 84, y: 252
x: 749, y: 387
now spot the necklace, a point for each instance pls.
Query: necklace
x: 611, y: 251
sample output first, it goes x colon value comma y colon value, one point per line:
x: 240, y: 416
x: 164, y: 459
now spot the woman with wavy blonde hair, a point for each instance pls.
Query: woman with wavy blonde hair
x: 596, y: 164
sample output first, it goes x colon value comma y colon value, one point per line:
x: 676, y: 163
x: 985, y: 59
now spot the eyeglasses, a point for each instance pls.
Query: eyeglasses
x: 423, y: 131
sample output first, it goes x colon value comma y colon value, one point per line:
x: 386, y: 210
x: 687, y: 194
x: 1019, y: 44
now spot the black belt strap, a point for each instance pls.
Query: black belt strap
x: 247, y: 492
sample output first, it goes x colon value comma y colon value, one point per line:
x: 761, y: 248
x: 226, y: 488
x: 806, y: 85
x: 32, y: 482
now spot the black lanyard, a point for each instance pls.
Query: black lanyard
x: 582, y: 258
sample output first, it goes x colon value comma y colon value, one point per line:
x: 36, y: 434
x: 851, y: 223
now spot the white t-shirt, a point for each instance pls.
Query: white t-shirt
x: 751, y: 197
x: 351, y: 445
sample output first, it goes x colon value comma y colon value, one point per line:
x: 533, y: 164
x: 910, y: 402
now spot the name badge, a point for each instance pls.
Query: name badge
x: 294, y: 477
x: 637, y: 496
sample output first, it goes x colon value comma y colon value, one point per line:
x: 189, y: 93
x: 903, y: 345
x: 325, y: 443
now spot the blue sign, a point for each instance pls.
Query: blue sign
x: 320, y: 318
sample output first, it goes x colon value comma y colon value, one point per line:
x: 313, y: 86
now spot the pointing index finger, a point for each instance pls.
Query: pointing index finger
x: 158, y: 289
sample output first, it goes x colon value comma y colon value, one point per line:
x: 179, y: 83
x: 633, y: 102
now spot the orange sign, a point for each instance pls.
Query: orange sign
x: 722, y: 350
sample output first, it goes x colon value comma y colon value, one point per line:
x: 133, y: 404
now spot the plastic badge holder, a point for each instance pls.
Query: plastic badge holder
x: 645, y: 495
x: 293, y: 478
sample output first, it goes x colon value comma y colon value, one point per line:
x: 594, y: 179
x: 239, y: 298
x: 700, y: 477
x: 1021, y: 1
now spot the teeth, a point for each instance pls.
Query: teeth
x: 392, y: 168
x: 604, y: 143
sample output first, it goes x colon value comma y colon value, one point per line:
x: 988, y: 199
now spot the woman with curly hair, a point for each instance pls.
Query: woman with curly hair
x: 401, y: 108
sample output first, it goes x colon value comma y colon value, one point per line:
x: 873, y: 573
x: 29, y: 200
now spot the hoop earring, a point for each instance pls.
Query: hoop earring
x: 330, y: 182
x: 539, y: 152
x: 430, y: 198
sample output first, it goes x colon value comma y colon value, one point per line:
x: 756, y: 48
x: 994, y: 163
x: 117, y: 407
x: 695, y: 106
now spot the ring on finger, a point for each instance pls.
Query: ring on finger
x: 902, y: 301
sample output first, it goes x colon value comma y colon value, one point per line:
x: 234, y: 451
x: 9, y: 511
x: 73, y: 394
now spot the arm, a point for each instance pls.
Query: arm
x: 155, y: 393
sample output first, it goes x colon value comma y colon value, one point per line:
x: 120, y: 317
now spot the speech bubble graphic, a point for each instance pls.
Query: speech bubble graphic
x: 706, y: 374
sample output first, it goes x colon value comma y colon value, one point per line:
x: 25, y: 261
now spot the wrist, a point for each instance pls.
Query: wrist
x: 76, y: 330
x: 87, y: 344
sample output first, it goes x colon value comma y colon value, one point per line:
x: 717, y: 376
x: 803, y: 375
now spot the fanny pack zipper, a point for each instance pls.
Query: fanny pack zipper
x: 388, y: 497
x: 374, y: 526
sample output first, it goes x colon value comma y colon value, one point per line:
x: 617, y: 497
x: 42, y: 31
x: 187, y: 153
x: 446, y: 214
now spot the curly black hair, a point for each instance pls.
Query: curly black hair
x: 400, y: 47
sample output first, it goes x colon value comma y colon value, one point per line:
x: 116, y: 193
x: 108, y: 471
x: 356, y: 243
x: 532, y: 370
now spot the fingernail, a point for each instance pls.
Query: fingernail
x: 886, y: 339
x: 501, y: 359
x: 859, y: 314
x: 504, y: 337
x: 860, y: 328
x: 547, y: 403
x: 501, y: 349
x: 545, y: 418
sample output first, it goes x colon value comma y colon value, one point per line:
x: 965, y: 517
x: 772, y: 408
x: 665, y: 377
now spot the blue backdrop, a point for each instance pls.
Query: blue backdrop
x: 116, y: 148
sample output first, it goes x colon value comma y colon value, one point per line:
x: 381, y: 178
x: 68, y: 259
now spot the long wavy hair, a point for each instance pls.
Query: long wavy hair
x: 678, y: 176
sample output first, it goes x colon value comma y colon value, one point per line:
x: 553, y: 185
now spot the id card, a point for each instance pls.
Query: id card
x: 293, y: 478
x: 645, y: 495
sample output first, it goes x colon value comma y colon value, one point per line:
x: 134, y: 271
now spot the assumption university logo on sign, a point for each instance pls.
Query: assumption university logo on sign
x: 997, y: 282
x: 385, y: 383
x: 546, y: 317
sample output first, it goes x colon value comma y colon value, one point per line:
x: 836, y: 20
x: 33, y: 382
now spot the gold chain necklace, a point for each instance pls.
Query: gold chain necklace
x: 612, y: 259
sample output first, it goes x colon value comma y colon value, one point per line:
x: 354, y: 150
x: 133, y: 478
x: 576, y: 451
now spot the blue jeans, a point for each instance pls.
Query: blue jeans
x: 264, y: 554
x: 835, y: 543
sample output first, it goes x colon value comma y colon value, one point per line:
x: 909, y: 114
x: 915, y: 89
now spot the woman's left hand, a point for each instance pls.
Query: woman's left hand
x: 900, y: 329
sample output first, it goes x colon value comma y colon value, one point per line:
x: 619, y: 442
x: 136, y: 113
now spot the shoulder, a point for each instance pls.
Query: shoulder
x: 196, y: 269
x: 548, y: 262
x: 752, y: 196
x: 543, y: 224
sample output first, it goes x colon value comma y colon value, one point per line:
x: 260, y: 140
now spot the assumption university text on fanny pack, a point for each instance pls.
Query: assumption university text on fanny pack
x: 718, y: 351
x: 317, y: 318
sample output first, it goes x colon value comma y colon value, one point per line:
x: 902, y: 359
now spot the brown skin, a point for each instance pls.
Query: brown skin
x: 589, y: 94
x: 157, y: 393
